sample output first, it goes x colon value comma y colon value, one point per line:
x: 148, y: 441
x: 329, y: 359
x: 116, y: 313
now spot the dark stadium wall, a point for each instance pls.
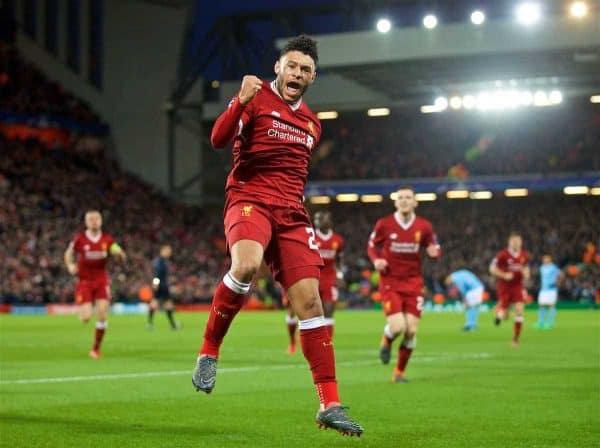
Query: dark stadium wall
x: 141, y: 49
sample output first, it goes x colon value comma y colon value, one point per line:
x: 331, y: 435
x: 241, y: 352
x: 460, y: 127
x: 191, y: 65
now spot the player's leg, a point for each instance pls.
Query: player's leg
x: 152, y: 307
x: 292, y: 326
x: 551, y: 317
x: 502, y: 306
x: 169, y: 307
x: 318, y: 351
x: 296, y: 263
x: 86, y: 310
x: 102, y: 308
x: 395, y: 326
x: 409, y: 341
x: 473, y: 299
x: 329, y: 309
x: 519, y: 319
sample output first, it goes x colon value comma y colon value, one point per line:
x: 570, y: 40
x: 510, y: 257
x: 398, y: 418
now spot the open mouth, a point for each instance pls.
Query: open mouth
x: 293, y: 89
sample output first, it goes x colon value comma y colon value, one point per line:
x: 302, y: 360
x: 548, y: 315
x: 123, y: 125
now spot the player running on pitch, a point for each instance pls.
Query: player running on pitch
x: 511, y: 268
x: 92, y: 248
x: 471, y: 290
x: 274, y: 133
x: 550, y: 276
x: 395, y: 249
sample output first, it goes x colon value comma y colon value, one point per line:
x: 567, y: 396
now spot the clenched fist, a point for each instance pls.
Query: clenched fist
x: 250, y: 87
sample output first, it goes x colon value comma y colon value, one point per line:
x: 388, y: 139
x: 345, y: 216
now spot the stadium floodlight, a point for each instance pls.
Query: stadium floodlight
x: 578, y: 10
x: 595, y: 99
x: 555, y: 97
x: 480, y: 195
x: 378, y: 112
x: 347, y: 197
x: 469, y: 101
x: 430, y: 21
x: 215, y: 84
x: 576, y: 189
x: 516, y: 192
x: 457, y: 194
x: 425, y: 197
x: 477, y: 17
x: 384, y: 25
x: 327, y: 115
x: 529, y: 13
x: 320, y: 200
x: 441, y: 102
x: 456, y: 102
x: 595, y: 191
x: 371, y: 198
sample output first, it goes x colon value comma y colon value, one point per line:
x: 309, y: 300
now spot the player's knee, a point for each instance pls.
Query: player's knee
x: 409, y: 340
x: 311, y: 306
x: 397, y: 326
x: 243, y: 271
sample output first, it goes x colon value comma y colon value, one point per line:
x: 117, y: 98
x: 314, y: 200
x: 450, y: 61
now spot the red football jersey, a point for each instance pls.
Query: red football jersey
x: 400, y: 244
x: 508, y: 261
x: 92, y: 255
x: 273, y: 143
x: 330, y: 245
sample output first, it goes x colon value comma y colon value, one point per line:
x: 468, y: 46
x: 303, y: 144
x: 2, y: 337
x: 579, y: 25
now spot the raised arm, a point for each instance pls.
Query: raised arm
x: 230, y: 123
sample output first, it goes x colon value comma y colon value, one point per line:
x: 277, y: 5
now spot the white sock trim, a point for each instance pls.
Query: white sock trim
x: 309, y: 324
x: 235, y: 285
x: 409, y: 343
x: 291, y: 320
x: 101, y: 325
x: 329, y: 321
x: 388, y: 332
x: 520, y: 319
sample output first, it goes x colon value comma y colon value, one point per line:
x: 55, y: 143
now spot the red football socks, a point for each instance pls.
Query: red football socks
x: 100, y: 329
x: 518, y: 326
x: 227, y: 301
x: 318, y: 351
x: 403, y: 357
x: 329, y: 326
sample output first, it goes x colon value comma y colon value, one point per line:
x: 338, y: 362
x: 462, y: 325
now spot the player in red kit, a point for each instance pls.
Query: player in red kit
x: 395, y: 249
x: 331, y: 247
x: 93, y: 248
x: 511, y: 268
x: 274, y: 133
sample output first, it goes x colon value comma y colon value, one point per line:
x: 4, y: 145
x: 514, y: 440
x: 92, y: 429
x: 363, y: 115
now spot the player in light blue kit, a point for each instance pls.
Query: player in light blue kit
x: 471, y: 290
x: 550, y: 275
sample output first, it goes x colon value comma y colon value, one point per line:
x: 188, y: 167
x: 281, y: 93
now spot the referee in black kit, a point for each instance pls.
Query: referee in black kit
x: 160, y: 284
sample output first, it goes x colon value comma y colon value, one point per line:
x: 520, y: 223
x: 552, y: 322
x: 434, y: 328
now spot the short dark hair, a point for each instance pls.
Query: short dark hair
x: 406, y: 187
x: 515, y: 233
x: 303, y: 44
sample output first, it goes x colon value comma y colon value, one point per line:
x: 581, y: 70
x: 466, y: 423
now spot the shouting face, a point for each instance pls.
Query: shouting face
x: 295, y: 72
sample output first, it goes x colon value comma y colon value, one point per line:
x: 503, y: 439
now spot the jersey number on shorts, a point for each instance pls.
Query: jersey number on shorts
x: 311, y: 238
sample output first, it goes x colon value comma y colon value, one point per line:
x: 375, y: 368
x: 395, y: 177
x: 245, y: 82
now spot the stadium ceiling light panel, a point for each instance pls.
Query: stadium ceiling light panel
x: 320, y: 200
x: 347, y: 197
x: 371, y: 198
x: 425, y: 197
x: 529, y: 13
x: 384, y: 25
x: 576, y: 189
x: 327, y: 115
x: 457, y: 194
x: 378, y: 112
x: 516, y: 192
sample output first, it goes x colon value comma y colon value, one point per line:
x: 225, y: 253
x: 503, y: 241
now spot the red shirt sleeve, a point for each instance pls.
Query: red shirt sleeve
x: 375, y: 241
x: 230, y: 123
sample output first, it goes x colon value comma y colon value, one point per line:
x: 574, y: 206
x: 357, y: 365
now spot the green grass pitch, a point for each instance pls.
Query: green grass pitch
x: 470, y: 390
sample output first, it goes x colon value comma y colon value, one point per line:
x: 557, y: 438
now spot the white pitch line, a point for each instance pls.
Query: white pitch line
x: 120, y: 376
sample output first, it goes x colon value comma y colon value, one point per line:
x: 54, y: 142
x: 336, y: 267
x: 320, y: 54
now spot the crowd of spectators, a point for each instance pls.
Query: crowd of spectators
x: 454, y: 144
x: 45, y: 190
x: 44, y: 194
